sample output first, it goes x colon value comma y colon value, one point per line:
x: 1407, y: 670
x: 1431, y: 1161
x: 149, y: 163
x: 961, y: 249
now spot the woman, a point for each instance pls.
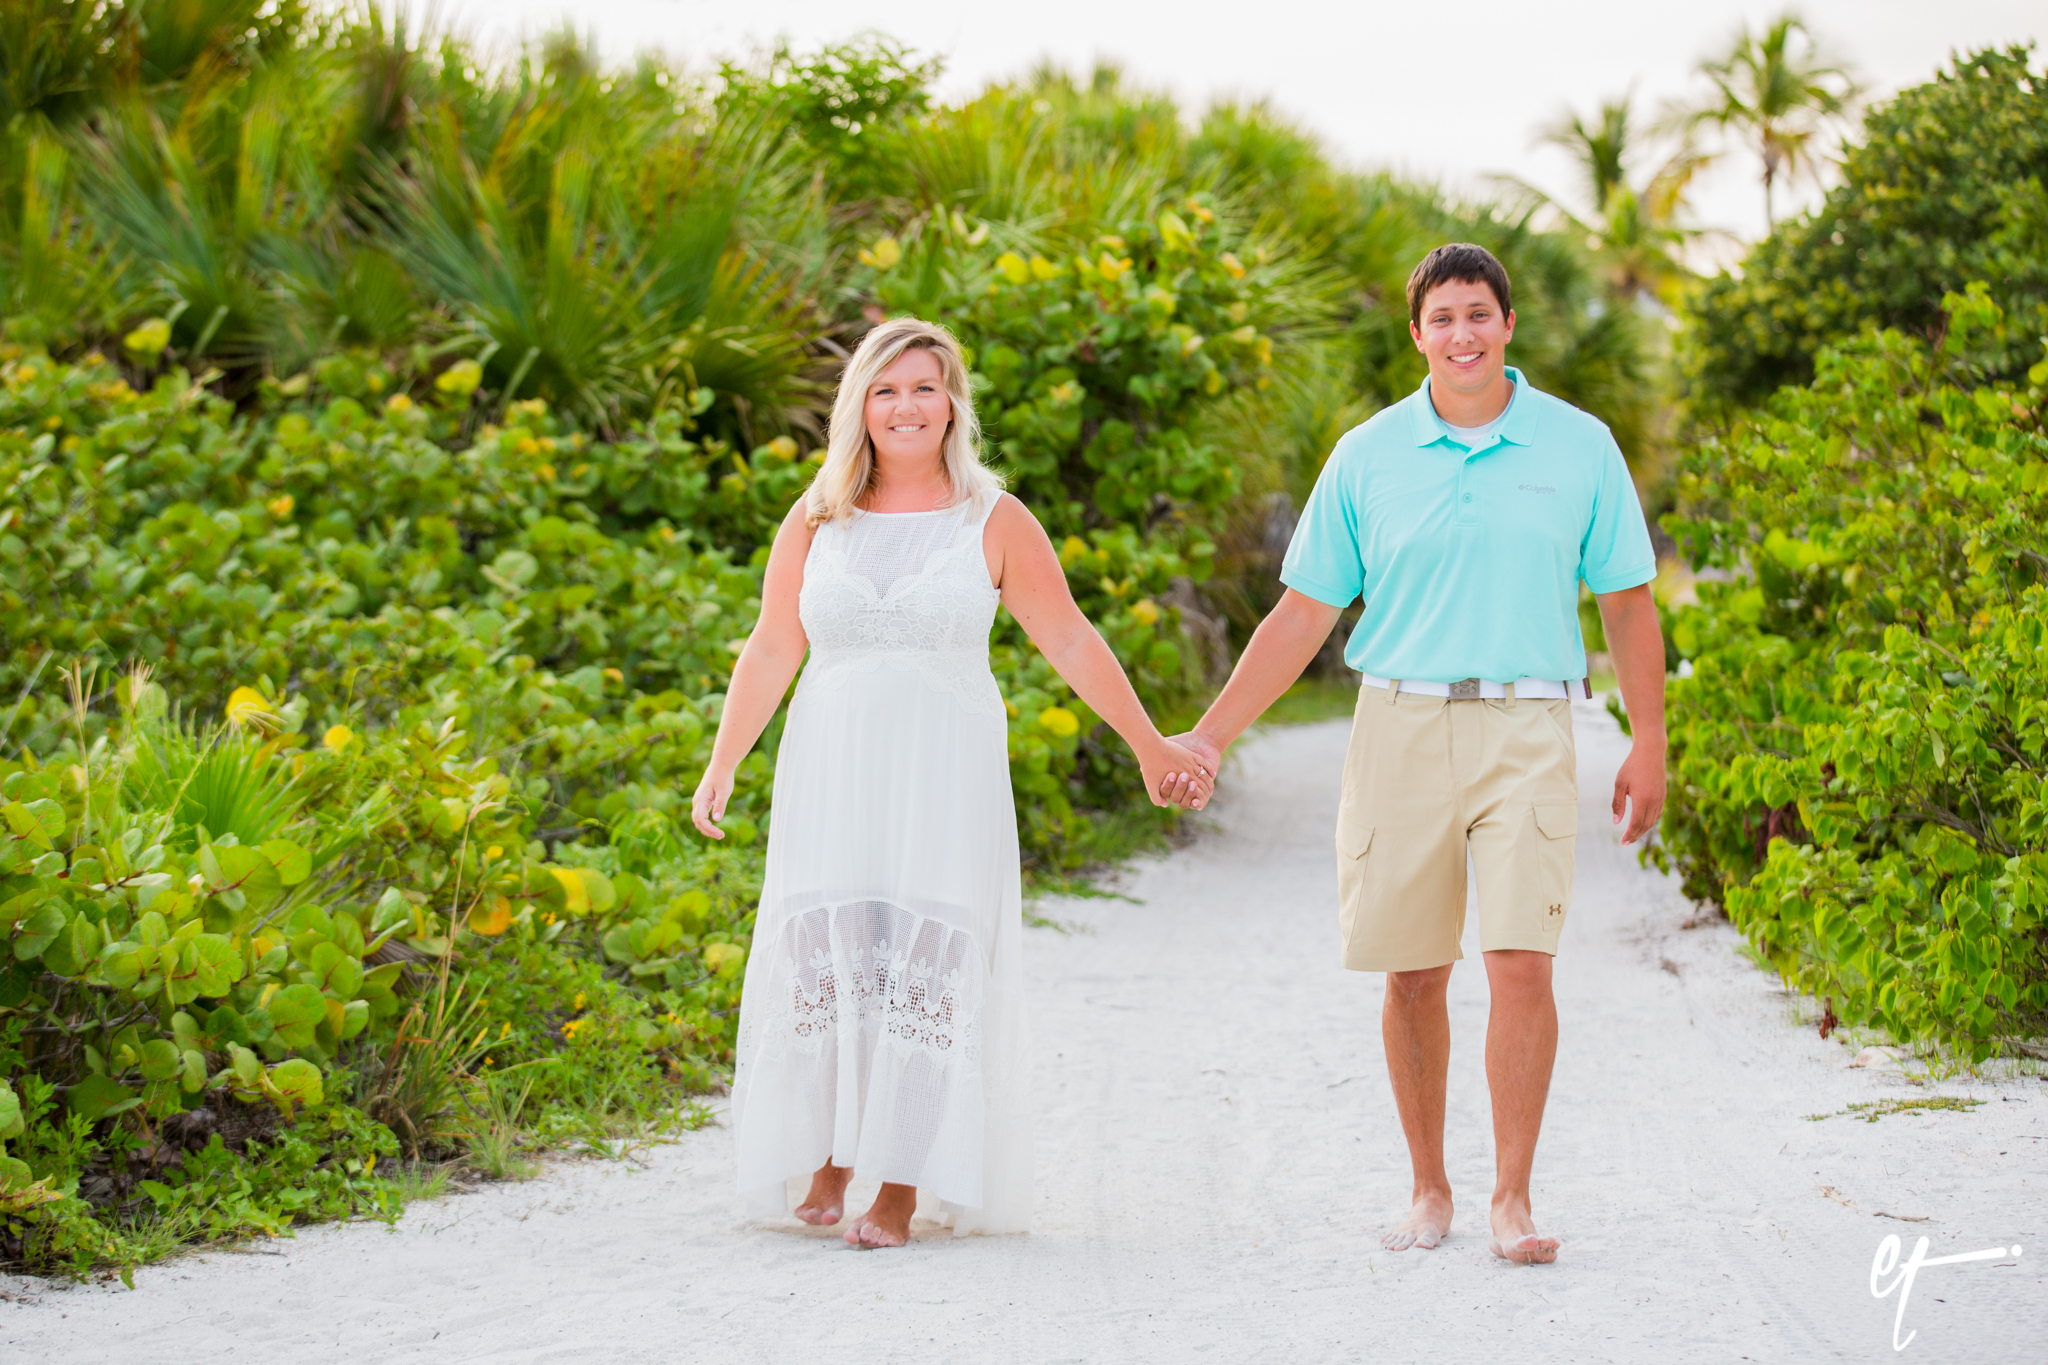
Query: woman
x: 882, y: 1025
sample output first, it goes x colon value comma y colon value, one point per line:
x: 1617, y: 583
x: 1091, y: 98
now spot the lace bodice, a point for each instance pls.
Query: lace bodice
x: 907, y: 589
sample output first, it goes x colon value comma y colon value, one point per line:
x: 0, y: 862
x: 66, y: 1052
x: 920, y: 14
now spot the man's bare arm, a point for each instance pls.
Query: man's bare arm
x: 1280, y: 648
x: 1636, y: 642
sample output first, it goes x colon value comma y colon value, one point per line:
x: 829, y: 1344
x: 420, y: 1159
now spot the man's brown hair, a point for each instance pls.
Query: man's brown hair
x: 1461, y: 262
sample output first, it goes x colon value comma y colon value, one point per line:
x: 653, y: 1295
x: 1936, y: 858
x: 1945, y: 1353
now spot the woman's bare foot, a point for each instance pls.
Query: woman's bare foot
x: 825, y: 1203
x: 1515, y: 1237
x: 1428, y: 1222
x: 887, y: 1221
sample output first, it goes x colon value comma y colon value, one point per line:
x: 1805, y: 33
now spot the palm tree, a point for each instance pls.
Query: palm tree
x: 1775, y: 92
x: 1634, y: 229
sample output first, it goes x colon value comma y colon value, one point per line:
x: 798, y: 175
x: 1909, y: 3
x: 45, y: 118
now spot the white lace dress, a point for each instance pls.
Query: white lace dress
x: 882, y: 1022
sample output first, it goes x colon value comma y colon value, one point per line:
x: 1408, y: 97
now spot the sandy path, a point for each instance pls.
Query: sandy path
x: 1216, y: 1147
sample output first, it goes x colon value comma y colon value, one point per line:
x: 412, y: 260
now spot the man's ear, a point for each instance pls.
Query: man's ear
x: 1511, y: 327
x: 1415, y: 335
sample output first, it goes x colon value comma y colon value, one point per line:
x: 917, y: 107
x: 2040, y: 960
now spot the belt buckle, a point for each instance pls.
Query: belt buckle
x: 1466, y: 689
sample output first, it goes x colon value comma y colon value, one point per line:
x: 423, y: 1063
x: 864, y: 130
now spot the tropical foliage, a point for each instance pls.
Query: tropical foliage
x: 1858, y: 752
x: 1776, y: 92
x: 1943, y: 189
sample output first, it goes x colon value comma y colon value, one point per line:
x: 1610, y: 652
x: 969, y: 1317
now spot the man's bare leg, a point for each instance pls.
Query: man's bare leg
x: 1415, y: 1027
x: 1521, y: 1046
x: 887, y: 1221
x: 825, y: 1203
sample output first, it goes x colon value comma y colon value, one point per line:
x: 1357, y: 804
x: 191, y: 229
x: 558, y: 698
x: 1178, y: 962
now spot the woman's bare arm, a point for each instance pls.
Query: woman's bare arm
x: 1034, y: 588
x: 771, y: 658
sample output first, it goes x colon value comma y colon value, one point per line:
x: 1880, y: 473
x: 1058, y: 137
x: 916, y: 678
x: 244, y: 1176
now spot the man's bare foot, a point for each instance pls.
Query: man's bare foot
x: 1515, y: 1237
x: 1428, y: 1222
x: 825, y: 1203
x: 887, y: 1221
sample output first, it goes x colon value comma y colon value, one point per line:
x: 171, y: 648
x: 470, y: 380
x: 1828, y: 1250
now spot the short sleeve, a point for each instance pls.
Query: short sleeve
x: 1616, y: 552
x: 1324, y: 560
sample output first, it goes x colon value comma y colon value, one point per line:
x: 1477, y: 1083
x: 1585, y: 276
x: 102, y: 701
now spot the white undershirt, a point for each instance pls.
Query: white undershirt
x: 1474, y: 438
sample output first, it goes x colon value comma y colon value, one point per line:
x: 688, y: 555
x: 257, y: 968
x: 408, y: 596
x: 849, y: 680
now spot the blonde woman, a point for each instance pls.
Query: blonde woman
x: 881, y: 1030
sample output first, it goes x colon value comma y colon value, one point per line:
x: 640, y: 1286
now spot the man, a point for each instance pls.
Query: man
x: 1466, y: 514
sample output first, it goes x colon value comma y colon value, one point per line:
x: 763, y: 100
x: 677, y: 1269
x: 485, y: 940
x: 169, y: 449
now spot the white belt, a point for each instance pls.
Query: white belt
x: 1474, y: 689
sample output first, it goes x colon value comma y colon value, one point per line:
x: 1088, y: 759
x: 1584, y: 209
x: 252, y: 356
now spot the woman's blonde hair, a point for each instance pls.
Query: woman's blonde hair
x: 849, y: 471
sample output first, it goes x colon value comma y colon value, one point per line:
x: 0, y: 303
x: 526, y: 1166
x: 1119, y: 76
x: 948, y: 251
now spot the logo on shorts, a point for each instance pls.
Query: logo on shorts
x: 1535, y: 488
x: 1557, y: 909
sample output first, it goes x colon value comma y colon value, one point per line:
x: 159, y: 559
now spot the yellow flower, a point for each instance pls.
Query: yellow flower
x: 615, y: 675
x: 461, y: 379
x: 1044, y: 269
x: 246, y: 706
x: 1058, y: 720
x: 398, y: 402
x: 281, y: 506
x: 884, y: 253
x: 1146, y: 611
x: 1231, y: 264
x: 1013, y: 267
x: 149, y: 339
x: 494, y: 851
x: 338, y: 737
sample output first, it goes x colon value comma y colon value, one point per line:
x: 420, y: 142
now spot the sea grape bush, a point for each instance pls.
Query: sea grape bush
x: 1859, y: 754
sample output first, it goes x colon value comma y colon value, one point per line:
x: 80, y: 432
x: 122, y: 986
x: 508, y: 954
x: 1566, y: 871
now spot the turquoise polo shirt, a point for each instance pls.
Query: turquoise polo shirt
x: 1470, y: 560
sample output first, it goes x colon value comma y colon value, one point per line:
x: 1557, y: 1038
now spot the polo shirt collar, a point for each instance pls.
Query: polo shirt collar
x: 1517, y: 424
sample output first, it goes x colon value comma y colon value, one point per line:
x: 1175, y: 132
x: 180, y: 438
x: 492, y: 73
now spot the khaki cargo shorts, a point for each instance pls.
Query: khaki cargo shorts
x: 1428, y: 777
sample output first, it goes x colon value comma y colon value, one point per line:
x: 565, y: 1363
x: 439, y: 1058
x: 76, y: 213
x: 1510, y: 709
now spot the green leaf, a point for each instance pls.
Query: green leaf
x: 38, y: 932
x: 598, y: 889
x: 249, y: 873
x: 160, y: 1060
x: 335, y: 971
x: 246, y: 1067
x: 294, y: 864
x: 10, y: 1111
x: 39, y: 822
x: 122, y: 964
x: 74, y: 948
x: 294, y: 1013
x: 293, y: 1082
x: 225, y: 1027
x: 216, y: 963
x: 98, y: 1097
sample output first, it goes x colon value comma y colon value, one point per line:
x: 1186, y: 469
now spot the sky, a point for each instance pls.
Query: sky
x: 1384, y: 86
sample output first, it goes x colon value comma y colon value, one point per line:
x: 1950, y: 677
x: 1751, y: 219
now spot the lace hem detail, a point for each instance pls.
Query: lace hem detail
x: 878, y: 973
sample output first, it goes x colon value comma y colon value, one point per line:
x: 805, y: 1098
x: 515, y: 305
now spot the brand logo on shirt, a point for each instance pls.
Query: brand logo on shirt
x: 1535, y: 488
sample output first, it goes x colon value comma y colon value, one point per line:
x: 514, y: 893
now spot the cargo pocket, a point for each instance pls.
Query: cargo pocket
x: 1353, y: 844
x: 1557, y: 827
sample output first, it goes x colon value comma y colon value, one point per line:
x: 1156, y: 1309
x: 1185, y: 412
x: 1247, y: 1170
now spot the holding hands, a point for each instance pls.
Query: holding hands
x: 1176, y: 775
x: 1181, y: 789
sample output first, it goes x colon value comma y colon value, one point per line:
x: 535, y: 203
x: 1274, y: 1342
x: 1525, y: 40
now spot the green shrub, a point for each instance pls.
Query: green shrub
x: 1945, y: 187
x: 1857, y: 756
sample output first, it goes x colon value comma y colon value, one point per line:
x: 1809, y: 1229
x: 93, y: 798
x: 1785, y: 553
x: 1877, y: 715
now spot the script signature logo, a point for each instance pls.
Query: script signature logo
x: 1887, y: 1262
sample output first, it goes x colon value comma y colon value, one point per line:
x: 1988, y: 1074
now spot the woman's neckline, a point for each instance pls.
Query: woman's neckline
x: 928, y: 512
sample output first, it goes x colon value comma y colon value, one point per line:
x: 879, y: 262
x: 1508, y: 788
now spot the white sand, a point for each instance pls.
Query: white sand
x: 1216, y: 1153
